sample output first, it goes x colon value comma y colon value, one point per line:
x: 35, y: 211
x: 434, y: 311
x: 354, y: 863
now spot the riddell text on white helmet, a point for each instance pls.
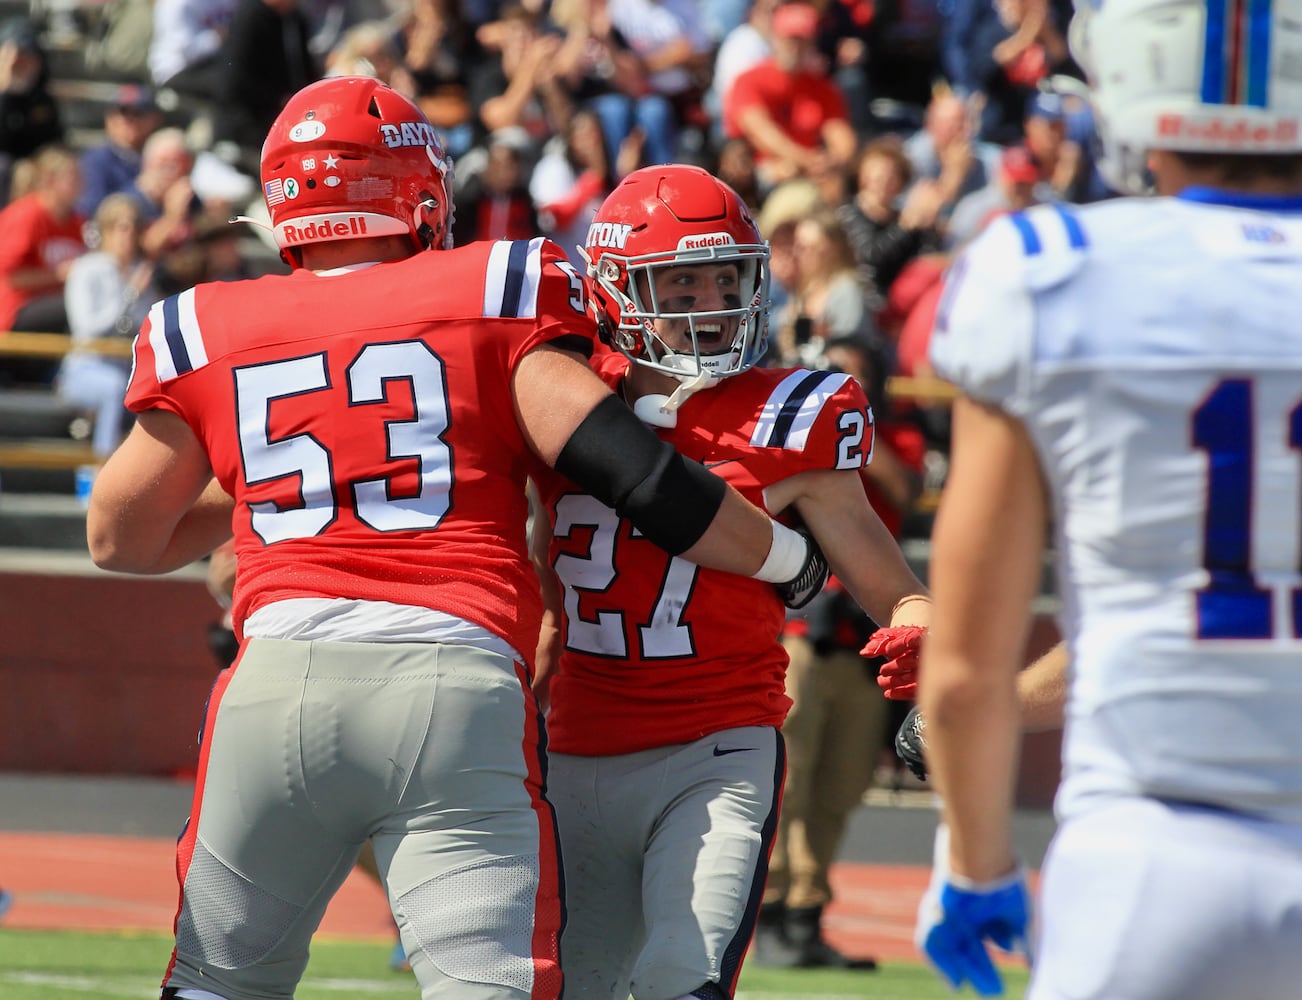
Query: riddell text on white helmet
x: 1211, y: 130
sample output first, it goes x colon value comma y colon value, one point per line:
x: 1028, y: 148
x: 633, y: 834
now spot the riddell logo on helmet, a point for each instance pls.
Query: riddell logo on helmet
x: 310, y: 230
x: 705, y: 241
x: 1281, y: 133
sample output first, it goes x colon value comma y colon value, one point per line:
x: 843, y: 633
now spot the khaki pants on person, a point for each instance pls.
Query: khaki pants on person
x: 833, y: 735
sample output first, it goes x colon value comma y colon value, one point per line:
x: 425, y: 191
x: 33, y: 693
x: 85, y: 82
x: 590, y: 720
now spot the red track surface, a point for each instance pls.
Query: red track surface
x: 74, y: 881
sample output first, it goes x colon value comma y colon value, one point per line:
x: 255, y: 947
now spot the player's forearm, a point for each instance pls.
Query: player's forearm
x: 202, y: 528
x: 862, y: 553
x: 878, y: 577
x: 972, y: 749
x: 128, y: 539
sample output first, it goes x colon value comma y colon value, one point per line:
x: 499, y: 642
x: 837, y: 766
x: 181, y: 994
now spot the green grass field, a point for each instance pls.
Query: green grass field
x: 56, y: 965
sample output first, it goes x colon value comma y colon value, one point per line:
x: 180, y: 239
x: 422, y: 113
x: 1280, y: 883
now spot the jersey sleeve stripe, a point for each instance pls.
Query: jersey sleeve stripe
x: 793, y: 407
x: 1030, y: 238
x: 1075, y: 234
x: 495, y: 277
x: 514, y: 274
x: 532, y: 279
x: 174, y: 336
x: 514, y: 278
x: 172, y: 333
x: 815, y: 392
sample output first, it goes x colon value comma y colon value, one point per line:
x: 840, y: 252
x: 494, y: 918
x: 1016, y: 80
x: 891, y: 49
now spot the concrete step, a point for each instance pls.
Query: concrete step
x: 42, y: 521
x: 35, y: 412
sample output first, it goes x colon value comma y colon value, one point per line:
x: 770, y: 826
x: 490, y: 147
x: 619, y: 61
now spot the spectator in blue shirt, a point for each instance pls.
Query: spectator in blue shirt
x: 112, y: 165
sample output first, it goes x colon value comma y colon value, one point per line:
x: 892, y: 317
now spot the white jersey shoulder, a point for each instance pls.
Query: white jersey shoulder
x: 1153, y: 352
x: 1131, y: 280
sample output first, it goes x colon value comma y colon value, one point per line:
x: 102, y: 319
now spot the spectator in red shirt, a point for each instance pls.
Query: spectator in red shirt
x: 787, y: 106
x: 42, y: 237
x: 495, y: 203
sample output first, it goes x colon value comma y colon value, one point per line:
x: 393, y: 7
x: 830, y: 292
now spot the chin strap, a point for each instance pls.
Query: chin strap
x: 693, y: 379
x: 654, y: 411
x: 680, y: 395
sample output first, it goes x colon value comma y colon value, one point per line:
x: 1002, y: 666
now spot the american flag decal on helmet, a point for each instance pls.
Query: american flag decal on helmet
x: 275, y: 191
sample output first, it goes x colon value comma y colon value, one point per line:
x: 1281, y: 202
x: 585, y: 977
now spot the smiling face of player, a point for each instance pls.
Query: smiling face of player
x: 697, y: 289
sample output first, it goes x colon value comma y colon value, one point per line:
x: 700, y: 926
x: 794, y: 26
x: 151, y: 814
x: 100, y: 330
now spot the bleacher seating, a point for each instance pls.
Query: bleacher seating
x: 44, y: 440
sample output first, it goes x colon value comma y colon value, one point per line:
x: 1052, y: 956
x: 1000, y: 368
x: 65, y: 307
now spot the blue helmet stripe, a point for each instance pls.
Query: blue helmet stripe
x: 1258, y: 68
x: 1213, y: 85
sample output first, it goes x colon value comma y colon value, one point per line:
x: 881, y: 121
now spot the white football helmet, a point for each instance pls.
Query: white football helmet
x: 1197, y: 76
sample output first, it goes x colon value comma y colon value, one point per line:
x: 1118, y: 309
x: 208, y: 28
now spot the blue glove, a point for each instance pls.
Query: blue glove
x: 957, y: 916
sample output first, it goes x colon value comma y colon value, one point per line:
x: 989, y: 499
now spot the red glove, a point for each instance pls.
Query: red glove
x: 900, y: 645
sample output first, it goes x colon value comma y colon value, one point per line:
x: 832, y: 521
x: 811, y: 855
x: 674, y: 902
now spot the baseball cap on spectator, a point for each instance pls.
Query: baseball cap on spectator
x: 134, y: 98
x: 1044, y: 104
x: 789, y: 202
x: 1019, y: 166
x: 796, y: 20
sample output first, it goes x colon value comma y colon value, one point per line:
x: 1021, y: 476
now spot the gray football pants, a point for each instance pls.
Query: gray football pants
x: 432, y: 751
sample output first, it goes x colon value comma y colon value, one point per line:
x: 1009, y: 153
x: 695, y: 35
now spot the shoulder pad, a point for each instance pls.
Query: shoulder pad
x: 511, y: 282
x: 1048, y: 241
x: 175, y: 337
x: 793, y: 406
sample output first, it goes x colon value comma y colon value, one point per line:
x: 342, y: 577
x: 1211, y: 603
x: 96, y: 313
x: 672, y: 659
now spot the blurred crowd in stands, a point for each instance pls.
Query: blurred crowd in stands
x: 871, y: 138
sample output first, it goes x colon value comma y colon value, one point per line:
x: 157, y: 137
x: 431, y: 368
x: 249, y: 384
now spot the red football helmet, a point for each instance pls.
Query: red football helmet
x: 668, y: 216
x: 350, y: 157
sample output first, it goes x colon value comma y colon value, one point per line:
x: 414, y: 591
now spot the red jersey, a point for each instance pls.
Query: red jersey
x: 33, y: 238
x: 657, y: 650
x: 363, y: 422
x: 799, y: 103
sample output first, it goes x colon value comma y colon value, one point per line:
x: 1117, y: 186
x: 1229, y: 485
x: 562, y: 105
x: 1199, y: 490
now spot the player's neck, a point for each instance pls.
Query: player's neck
x: 642, y: 381
x: 342, y: 253
x: 1172, y: 175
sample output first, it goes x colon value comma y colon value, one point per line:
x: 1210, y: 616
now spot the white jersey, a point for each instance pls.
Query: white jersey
x: 1153, y: 350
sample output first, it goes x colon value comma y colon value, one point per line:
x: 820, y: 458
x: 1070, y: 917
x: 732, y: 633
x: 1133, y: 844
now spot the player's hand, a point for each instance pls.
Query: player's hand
x: 898, y: 677
x: 958, y: 916
x: 911, y: 743
x: 810, y: 580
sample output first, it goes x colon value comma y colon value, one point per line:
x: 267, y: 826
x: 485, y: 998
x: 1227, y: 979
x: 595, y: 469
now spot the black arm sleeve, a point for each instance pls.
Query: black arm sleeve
x: 622, y: 463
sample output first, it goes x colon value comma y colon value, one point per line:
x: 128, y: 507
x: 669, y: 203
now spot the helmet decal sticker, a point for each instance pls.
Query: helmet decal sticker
x: 366, y: 188
x: 307, y: 131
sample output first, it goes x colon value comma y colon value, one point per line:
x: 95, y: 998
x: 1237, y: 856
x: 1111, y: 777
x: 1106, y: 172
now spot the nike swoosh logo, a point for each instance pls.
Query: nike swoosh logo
x: 721, y: 752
